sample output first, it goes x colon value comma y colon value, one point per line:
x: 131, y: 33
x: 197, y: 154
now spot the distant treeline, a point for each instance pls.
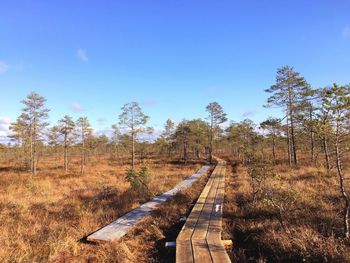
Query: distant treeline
x: 314, y: 129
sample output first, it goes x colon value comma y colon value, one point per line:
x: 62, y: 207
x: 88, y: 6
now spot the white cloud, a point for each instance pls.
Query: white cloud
x: 5, y: 125
x: 4, y: 140
x: 149, y: 102
x: 107, y: 132
x: 249, y: 113
x: 76, y: 107
x: 81, y: 53
x: 101, y: 121
x: 346, y: 32
x: 211, y: 90
x: 3, y: 67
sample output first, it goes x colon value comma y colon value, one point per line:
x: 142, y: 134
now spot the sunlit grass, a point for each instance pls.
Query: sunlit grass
x: 313, y: 222
x: 43, y: 217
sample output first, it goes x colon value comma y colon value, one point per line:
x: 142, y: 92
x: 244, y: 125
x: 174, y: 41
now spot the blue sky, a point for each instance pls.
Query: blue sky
x: 174, y: 57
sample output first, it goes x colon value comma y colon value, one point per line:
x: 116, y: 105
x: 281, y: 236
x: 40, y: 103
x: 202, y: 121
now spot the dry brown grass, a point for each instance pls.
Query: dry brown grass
x: 313, y: 223
x: 43, y: 218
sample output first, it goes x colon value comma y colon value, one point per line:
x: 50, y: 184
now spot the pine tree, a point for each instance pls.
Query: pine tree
x: 306, y: 115
x: 198, y: 136
x: 169, y: 129
x: 323, y: 123
x: 182, y: 136
x: 273, y: 126
x: 34, y: 116
x: 135, y: 121
x: 337, y: 102
x: 286, y: 93
x: 21, y: 136
x: 66, y: 128
x: 53, y: 140
x: 216, y: 117
x: 84, y: 131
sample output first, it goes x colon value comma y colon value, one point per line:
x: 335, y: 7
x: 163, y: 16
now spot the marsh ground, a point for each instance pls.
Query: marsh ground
x: 43, y: 218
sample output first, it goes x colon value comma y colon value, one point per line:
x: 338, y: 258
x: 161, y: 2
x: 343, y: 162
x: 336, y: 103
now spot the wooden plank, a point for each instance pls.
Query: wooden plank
x: 121, y: 226
x: 200, y: 238
x: 201, y: 252
x: 216, y: 247
x: 184, y: 252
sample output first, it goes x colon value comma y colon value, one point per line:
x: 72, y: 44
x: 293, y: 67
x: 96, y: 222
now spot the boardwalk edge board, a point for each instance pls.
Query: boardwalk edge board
x: 122, y: 225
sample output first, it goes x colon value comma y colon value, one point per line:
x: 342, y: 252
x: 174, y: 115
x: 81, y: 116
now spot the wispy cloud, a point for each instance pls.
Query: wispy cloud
x: 5, y: 125
x: 101, y: 121
x: 81, y: 53
x: 149, y: 102
x: 3, y: 67
x: 107, y: 132
x: 211, y: 90
x: 76, y: 107
x: 346, y: 32
x: 249, y: 113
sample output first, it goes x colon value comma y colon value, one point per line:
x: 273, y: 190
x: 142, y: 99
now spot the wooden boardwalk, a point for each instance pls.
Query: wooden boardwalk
x: 121, y: 226
x: 200, y: 238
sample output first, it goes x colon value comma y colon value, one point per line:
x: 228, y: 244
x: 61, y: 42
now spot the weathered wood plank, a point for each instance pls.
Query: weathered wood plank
x: 201, y: 252
x: 121, y: 226
x: 183, y: 242
x: 200, y: 238
x: 216, y: 247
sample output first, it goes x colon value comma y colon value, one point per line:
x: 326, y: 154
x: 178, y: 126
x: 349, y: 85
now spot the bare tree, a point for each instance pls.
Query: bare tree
x: 135, y: 121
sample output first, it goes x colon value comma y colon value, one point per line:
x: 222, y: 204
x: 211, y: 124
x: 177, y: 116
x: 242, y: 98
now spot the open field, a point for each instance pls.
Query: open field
x: 43, y: 217
x: 109, y: 106
x: 312, y: 218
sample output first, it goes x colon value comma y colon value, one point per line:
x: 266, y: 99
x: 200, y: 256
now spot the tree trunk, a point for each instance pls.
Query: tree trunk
x: 312, y: 138
x: 342, y: 188
x: 31, y: 151
x: 274, y: 148
x: 341, y: 177
x: 211, y: 146
x: 82, y: 154
x: 292, y: 133
x: 169, y: 150
x: 65, y: 154
x: 289, y: 145
x: 326, y: 152
x: 34, y: 149
x: 133, y: 150
x: 185, y: 156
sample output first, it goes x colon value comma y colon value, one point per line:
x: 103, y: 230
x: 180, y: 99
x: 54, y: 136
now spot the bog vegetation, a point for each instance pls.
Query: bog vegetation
x: 287, y: 198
